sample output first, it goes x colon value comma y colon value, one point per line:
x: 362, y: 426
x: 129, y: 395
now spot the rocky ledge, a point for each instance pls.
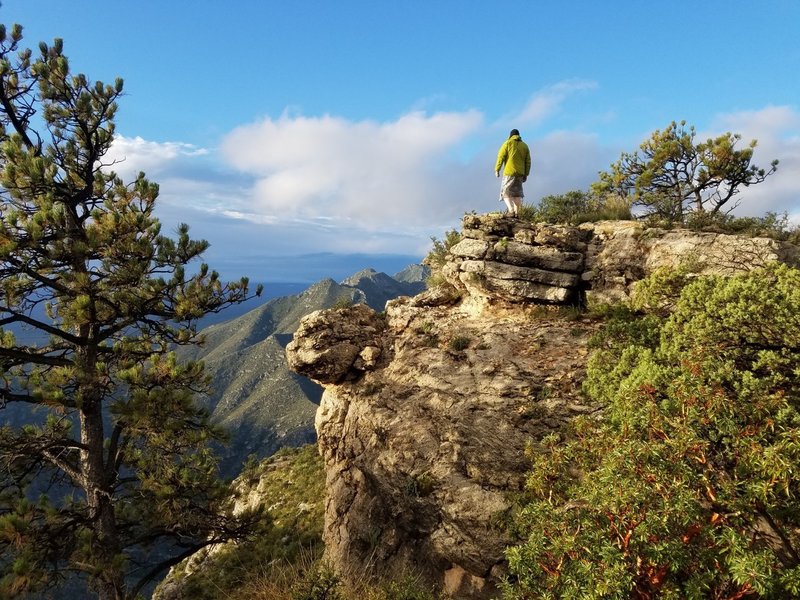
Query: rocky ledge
x: 429, y: 407
x: 518, y: 261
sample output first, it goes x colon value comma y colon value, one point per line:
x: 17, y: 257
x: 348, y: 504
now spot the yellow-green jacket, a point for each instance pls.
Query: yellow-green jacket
x: 516, y: 155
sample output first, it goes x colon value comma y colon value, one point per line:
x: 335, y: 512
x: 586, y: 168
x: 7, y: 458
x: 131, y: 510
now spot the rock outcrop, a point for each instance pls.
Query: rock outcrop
x: 519, y: 261
x: 428, y: 408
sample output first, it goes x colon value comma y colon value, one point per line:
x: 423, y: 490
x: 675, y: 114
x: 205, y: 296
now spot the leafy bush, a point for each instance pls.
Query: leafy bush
x: 771, y: 225
x: 576, y: 206
x: 661, y: 291
x: 459, y: 343
x: 321, y: 583
x: 563, y: 208
x: 438, y: 253
x: 687, y: 487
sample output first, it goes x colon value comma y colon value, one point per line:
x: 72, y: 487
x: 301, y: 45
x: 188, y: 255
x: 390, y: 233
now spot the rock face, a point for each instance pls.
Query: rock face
x: 423, y: 440
x: 428, y: 409
x: 518, y: 261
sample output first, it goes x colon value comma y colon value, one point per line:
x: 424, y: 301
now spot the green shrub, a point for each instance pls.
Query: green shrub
x: 404, y: 588
x: 528, y: 212
x: 342, y: 303
x: 437, y: 256
x: 576, y: 206
x: 660, y: 291
x: 420, y: 485
x: 320, y: 583
x: 609, y: 208
x: 687, y: 487
x: 771, y: 225
x: 459, y: 343
x: 563, y: 208
x: 428, y: 332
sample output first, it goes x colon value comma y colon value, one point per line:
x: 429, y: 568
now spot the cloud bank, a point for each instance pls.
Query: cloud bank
x: 300, y: 184
x: 366, y: 172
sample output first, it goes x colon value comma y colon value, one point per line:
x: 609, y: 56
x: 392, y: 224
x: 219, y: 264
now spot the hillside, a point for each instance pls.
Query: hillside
x: 255, y: 396
x: 434, y: 410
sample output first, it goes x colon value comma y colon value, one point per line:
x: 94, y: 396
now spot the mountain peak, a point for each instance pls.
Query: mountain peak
x: 367, y: 273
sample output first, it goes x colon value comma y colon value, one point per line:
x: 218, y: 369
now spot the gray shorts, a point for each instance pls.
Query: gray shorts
x: 511, y: 187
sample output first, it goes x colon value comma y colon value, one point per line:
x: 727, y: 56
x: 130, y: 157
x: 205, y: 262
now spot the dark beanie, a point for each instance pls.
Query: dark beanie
x: 513, y: 132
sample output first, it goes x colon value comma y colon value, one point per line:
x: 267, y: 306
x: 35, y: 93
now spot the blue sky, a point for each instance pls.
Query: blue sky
x: 355, y: 130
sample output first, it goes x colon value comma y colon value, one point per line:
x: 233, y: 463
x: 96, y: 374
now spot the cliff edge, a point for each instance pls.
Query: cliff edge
x: 429, y: 407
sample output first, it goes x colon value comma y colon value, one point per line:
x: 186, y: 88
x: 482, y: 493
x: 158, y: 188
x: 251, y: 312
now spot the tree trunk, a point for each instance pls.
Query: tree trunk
x: 109, y: 582
x: 107, y: 576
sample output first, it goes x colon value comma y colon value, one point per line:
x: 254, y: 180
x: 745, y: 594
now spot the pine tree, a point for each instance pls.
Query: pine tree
x: 672, y: 176
x: 112, y: 476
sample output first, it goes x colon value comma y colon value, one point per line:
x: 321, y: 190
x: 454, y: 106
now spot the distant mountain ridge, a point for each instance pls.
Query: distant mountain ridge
x: 255, y: 396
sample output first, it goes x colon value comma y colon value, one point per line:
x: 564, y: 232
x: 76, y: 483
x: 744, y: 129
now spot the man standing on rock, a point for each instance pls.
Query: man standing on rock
x: 516, y: 156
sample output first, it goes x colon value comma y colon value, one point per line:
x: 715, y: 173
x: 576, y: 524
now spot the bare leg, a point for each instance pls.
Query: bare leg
x: 517, y: 204
x: 510, y: 205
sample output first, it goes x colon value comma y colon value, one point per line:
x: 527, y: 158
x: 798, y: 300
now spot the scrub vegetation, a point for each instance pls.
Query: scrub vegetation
x: 687, y: 486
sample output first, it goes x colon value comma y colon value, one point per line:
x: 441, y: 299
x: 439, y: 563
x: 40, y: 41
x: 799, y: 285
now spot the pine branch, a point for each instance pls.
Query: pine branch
x: 17, y: 317
x: 24, y: 356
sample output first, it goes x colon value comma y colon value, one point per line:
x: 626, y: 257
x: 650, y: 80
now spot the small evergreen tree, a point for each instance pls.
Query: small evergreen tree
x: 564, y: 208
x: 671, y: 175
x: 688, y: 487
x: 113, y: 461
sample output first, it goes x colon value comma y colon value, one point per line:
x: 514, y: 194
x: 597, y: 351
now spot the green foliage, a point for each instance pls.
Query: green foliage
x: 526, y: 212
x: 437, y: 257
x: 563, y: 208
x: 687, y: 487
x: 404, y: 588
x: 292, y: 483
x: 671, y: 175
x: 459, y: 343
x: 283, y: 561
x: 420, y: 485
x: 429, y: 335
x: 660, y: 291
x: 771, y: 225
x: 342, y: 303
x: 549, y: 312
x: 321, y: 584
x: 576, y: 207
x: 117, y: 432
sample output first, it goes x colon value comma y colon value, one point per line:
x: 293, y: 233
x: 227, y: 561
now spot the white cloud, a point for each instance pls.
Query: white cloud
x: 128, y: 156
x: 373, y: 173
x: 564, y: 161
x: 548, y: 101
x: 420, y: 170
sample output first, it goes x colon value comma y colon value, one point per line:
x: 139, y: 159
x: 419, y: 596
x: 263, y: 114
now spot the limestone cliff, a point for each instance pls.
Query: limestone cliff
x: 428, y: 408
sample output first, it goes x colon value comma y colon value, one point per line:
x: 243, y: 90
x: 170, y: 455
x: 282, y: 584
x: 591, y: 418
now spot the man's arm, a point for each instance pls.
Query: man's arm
x: 502, y: 155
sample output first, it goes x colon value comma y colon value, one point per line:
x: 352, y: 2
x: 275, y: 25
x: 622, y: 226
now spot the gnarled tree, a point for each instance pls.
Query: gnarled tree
x: 101, y: 419
x: 671, y: 175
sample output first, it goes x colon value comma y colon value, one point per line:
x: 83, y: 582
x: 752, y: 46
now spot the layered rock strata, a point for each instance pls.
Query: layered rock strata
x: 518, y: 261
